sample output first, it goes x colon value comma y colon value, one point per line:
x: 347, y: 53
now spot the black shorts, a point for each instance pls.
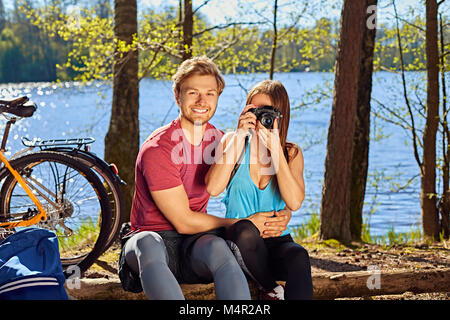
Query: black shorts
x: 178, y: 247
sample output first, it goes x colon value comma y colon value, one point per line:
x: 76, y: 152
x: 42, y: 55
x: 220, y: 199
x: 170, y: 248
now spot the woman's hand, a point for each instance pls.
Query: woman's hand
x: 270, y: 138
x: 247, y: 121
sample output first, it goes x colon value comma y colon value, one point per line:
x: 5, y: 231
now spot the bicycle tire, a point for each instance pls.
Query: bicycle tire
x: 110, y: 182
x: 35, y: 168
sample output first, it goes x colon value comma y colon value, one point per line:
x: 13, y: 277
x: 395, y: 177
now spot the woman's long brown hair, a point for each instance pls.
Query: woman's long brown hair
x: 280, y: 100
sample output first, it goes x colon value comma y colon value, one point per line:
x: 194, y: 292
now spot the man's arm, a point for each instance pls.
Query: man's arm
x: 174, y: 204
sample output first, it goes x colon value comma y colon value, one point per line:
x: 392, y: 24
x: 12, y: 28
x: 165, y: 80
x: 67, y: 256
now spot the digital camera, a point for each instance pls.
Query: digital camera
x: 266, y: 115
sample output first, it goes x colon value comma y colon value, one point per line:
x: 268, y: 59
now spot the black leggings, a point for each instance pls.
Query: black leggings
x: 271, y: 259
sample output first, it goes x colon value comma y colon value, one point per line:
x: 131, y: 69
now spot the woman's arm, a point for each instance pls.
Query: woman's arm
x: 218, y: 175
x: 289, y: 175
x: 227, y: 154
x: 290, y: 180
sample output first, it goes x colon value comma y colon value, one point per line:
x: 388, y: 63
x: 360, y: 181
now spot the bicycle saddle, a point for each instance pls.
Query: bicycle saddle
x: 20, y: 107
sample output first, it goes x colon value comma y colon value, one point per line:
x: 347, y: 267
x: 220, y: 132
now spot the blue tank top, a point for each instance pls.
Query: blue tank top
x: 243, y: 198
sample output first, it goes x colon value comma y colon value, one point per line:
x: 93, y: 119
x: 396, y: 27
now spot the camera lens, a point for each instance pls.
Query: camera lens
x: 267, y: 121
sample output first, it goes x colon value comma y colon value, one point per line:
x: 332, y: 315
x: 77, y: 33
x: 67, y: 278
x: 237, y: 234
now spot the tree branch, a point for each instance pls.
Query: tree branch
x: 444, y: 54
x: 407, y: 184
x: 412, y: 24
x: 150, y: 66
x: 402, y: 122
x: 200, y: 6
x: 405, y: 92
x: 223, y: 48
x: 297, y: 20
x: 224, y: 26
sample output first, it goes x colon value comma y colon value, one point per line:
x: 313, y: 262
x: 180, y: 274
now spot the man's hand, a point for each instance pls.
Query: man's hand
x: 259, y: 220
x: 275, y: 227
x: 269, y: 223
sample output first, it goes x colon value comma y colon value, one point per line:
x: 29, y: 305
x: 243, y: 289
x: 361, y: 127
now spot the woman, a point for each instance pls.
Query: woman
x: 269, y: 179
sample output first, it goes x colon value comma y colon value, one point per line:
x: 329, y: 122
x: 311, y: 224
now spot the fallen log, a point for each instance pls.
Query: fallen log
x: 330, y: 285
x: 375, y: 283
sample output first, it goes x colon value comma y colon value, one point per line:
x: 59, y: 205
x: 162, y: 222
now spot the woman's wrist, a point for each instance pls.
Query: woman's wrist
x: 241, y: 134
x: 277, y: 157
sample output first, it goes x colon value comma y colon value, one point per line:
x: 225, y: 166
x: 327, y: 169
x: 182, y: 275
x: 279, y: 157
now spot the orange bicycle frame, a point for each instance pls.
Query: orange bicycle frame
x: 42, y: 215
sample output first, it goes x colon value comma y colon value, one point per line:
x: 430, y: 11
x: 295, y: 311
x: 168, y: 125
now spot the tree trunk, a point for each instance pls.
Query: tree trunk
x: 373, y: 283
x: 444, y: 202
x: 2, y: 16
x: 188, y: 26
x: 360, y: 162
x: 274, y: 41
x: 335, y: 205
x: 122, y: 139
x: 428, y: 199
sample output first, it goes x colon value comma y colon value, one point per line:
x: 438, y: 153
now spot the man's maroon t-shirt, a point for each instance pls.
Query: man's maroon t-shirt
x: 166, y: 160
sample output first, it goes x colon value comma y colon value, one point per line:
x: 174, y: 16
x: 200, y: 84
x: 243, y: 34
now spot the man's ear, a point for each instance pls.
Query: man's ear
x: 177, y: 97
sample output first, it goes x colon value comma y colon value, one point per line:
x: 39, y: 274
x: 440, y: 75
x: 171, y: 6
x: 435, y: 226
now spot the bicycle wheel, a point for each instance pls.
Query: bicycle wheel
x: 76, y: 202
x: 110, y: 182
x: 112, y: 188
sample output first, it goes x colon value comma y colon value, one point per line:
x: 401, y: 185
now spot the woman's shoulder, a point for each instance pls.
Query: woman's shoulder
x: 293, y: 150
x: 292, y: 147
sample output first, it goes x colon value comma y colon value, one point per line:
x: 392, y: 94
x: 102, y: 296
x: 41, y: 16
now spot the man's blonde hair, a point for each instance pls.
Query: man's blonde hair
x: 203, y: 66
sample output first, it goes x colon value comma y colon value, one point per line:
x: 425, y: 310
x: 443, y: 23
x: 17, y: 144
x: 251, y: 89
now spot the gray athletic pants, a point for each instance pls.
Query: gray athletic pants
x: 210, y: 258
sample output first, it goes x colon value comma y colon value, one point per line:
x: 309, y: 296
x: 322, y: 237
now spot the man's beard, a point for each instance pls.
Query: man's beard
x: 197, y: 119
x: 197, y: 122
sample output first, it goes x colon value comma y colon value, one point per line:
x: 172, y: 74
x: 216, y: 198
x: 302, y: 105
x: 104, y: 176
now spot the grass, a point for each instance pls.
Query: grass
x: 82, y: 239
x: 307, y: 229
x: 311, y: 228
x: 392, y: 237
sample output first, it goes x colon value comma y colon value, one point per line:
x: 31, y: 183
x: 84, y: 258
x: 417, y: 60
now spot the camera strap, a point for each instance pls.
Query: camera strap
x: 238, y: 162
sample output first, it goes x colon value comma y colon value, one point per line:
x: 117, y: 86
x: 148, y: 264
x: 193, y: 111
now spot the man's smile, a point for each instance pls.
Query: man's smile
x: 200, y: 110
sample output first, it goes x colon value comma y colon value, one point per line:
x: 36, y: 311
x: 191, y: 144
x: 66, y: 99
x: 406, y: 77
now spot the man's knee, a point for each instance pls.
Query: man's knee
x: 150, y: 247
x: 148, y: 239
x: 213, y: 250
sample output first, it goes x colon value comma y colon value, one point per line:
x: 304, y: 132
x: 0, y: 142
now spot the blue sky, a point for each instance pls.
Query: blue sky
x: 218, y: 11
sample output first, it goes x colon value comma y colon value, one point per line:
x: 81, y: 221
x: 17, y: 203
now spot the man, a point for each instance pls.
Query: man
x: 173, y: 239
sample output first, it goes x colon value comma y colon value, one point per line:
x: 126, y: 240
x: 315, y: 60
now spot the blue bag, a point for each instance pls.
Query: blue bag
x: 30, y: 266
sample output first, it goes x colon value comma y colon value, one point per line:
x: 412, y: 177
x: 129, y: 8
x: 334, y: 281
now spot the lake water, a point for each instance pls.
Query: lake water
x: 71, y: 110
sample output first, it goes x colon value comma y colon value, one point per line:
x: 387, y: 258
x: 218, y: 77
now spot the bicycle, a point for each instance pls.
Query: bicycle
x: 53, y: 190
x: 79, y: 148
